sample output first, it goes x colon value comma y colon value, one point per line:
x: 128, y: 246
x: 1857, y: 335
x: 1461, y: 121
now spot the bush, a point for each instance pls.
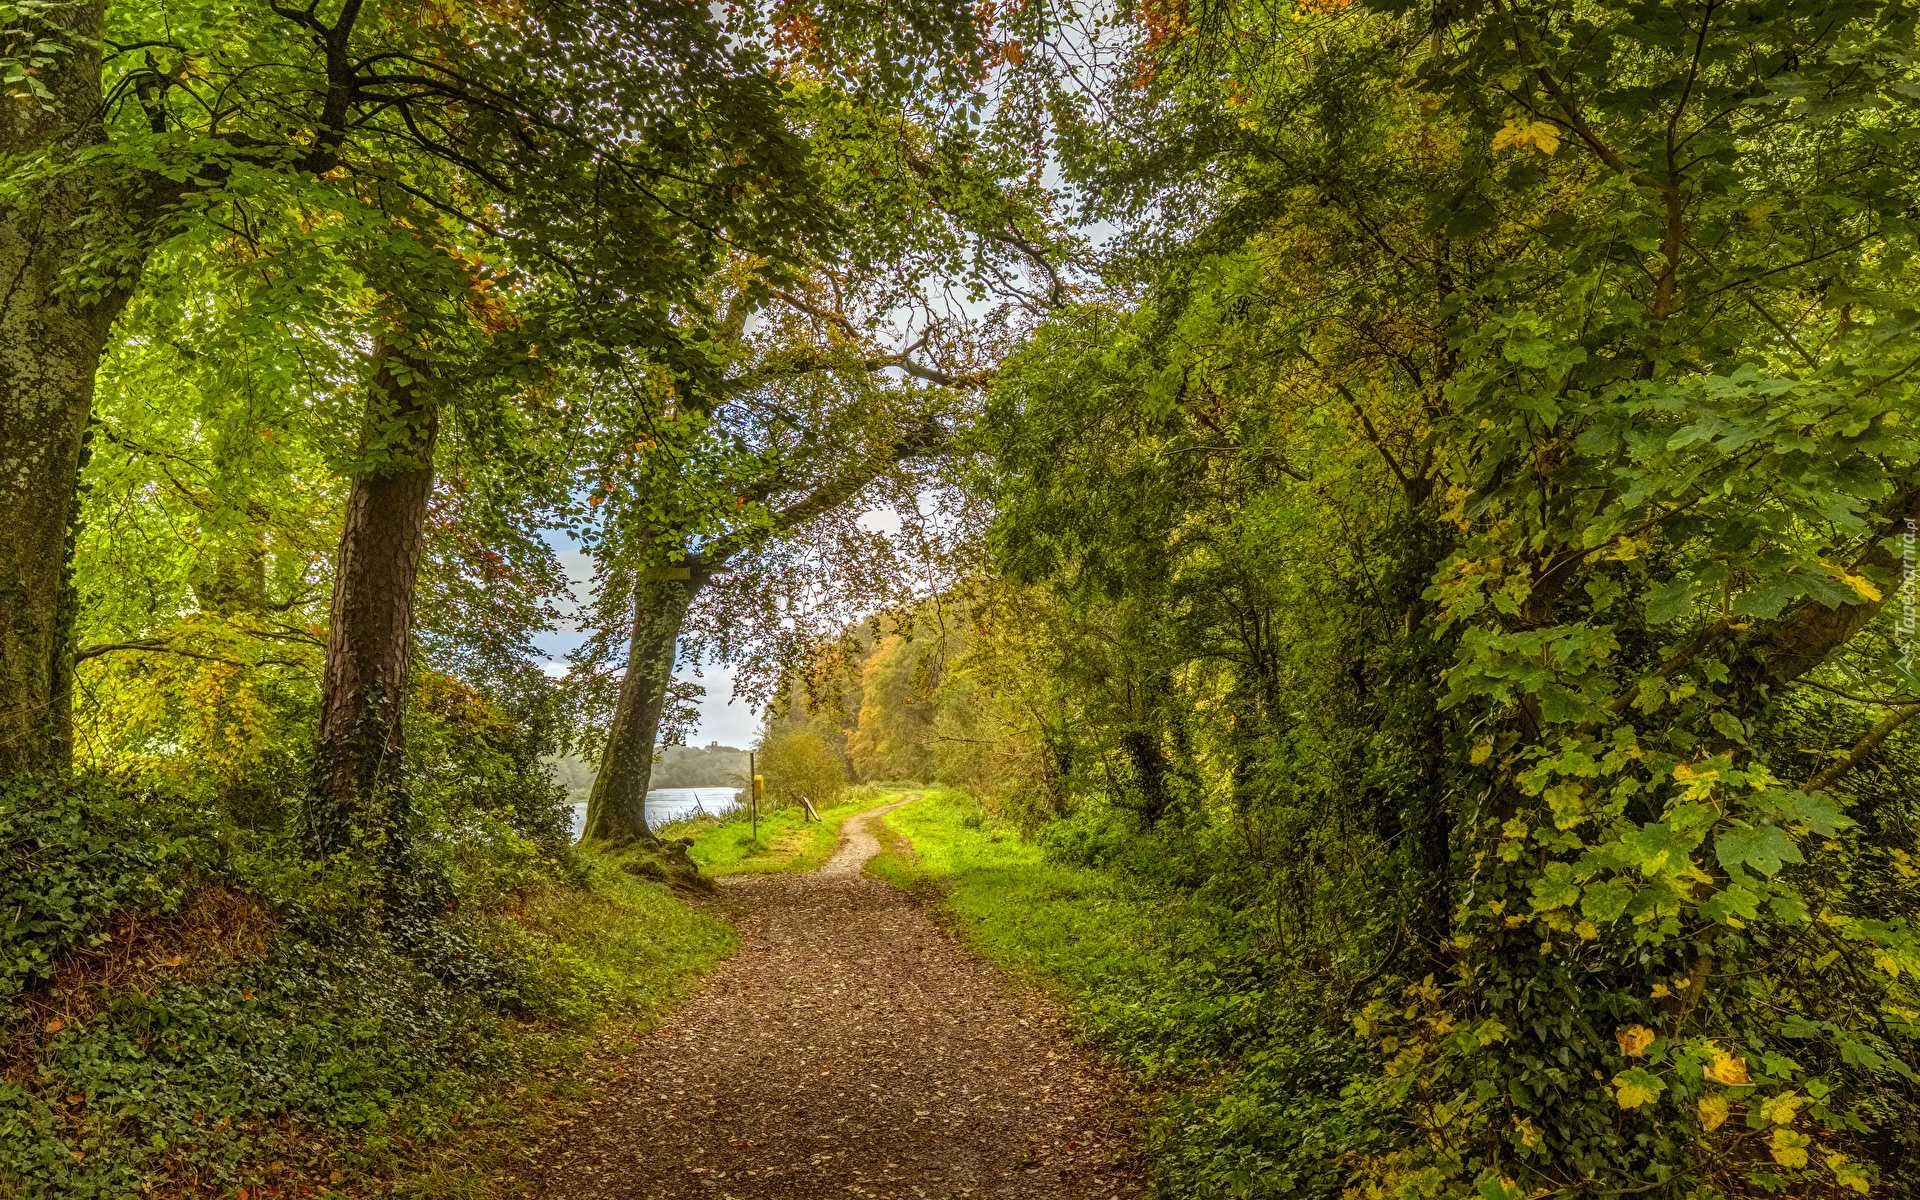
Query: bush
x: 70, y: 857
x: 796, y: 764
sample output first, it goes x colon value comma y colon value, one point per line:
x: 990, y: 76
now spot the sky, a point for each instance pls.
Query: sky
x: 722, y: 719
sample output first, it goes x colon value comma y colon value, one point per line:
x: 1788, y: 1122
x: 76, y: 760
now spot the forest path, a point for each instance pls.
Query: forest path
x: 849, y: 1048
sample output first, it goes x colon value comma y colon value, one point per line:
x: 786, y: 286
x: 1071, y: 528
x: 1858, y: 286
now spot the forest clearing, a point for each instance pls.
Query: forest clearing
x: 1326, y: 592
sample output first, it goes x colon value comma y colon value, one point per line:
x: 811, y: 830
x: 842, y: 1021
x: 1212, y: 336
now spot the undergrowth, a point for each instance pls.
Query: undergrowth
x: 190, y: 1008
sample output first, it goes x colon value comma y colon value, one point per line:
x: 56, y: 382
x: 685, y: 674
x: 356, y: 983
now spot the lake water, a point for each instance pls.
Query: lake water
x: 672, y: 804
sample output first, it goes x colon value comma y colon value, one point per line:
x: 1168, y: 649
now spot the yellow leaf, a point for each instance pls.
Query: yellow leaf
x: 1634, y: 1088
x: 1848, y: 1174
x: 1481, y: 750
x: 1867, y: 591
x: 1634, y: 1040
x: 1712, y: 1110
x: 1781, y: 1109
x: 1728, y: 1069
x: 1587, y: 930
x: 1789, y: 1149
x: 1660, y: 991
x: 1543, y: 136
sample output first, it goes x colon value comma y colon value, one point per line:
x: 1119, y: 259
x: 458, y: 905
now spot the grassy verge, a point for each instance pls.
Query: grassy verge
x: 1245, y: 1101
x: 190, y: 1014
x: 787, y: 841
x: 1062, y: 927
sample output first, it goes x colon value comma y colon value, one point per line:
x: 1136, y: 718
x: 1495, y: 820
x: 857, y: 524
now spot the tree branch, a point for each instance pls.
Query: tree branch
x: 1862, y: 748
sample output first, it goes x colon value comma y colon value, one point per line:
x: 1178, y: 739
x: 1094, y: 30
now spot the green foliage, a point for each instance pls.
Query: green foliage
x: 332, y: 1043
x: 788, y: 840
x: 798, y: 764
x: 1470, y: 512
x: 71, y: 859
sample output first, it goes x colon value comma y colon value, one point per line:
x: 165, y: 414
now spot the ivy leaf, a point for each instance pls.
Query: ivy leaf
x: 1765, y: 848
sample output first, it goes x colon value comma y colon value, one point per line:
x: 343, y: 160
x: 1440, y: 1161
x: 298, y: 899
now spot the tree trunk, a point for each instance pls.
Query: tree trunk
x: 51, y: 340
x: 357, y: 791
x: 616, y: 811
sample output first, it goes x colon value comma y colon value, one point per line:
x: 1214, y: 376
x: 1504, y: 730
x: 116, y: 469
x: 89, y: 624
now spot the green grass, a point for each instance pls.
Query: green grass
x: 1063, y: 927
x: 787, y: 841
x: 638, y: 944
x: 1245, y: 1101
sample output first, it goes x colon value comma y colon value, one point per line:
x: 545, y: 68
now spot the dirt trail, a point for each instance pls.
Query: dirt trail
x: 849, y: 1049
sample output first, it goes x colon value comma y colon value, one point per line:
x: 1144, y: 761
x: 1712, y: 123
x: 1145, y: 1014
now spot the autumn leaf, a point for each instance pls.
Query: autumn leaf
x: 1728, y: 1069
x: 1862, y: 587
x: 1634, y: 1040
x: 1712, y: 1110
x: 1528, y: 1135
x: 56, y: 1025
x: 1635, y: 1087
x: 1789, y: 1148
x: 1848, y: 1174
x: 1781, y: 1109
x: 1543, y: 136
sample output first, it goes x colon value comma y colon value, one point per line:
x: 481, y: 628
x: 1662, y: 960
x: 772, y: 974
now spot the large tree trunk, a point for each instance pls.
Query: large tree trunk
x: 617, y: 809
x: 357, y: 793
x: 51, y: 340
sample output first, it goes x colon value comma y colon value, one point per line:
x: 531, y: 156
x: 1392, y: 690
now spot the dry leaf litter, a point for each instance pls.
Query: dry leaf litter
x: 849, y: 1049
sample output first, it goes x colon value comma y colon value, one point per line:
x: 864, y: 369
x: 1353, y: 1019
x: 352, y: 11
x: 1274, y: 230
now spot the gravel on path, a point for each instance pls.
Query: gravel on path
x: 852, y: 1049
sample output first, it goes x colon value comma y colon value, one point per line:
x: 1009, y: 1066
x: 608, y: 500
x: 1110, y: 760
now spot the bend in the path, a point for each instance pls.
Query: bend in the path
x: 850, y: 1048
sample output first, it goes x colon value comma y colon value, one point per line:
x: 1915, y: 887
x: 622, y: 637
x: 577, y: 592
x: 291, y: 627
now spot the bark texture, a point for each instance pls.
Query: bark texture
x: 51, y: 339
x: 370, y: 636
x: 617, y: 807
